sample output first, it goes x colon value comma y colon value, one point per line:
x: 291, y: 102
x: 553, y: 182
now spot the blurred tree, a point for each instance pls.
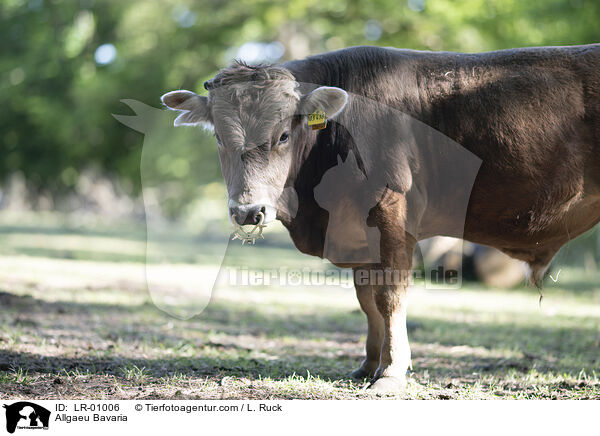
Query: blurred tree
x: 66, y: 64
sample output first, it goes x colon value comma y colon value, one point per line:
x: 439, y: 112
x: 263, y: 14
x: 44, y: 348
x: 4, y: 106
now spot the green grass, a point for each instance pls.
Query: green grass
x: 17, y: 376
x: 76, y: 321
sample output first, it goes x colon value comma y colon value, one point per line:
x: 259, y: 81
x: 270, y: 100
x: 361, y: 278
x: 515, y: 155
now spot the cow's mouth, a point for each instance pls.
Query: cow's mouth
x: 253, y: 234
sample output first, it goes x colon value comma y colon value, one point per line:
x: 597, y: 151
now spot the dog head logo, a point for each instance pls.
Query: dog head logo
x: 26, y: 415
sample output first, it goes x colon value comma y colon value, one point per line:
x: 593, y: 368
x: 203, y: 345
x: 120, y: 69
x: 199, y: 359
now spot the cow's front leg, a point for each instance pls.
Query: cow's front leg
x: 394, y: 361
x: 366, y: 298
x: 391, y: 300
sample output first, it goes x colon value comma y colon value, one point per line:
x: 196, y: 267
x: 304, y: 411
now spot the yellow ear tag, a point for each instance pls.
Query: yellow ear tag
x: 317, y: 120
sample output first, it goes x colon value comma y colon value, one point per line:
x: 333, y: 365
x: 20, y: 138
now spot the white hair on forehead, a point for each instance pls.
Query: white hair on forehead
x: 248, y: 102
x: 271, y: 87
x: 241, y: 79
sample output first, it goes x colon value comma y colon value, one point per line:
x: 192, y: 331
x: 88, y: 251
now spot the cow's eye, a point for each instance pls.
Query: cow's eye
x: 284, y: 138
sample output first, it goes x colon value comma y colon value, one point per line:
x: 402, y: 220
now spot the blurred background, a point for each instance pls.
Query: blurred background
x: 66, y: 65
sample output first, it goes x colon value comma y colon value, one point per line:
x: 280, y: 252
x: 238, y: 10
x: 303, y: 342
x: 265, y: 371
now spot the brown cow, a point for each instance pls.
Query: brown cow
x: 525, y: 178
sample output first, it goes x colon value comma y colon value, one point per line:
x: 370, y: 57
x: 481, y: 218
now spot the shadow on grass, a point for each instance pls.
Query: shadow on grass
x: 325, y: 344
x: 193, y: 367
x: 242, y: 319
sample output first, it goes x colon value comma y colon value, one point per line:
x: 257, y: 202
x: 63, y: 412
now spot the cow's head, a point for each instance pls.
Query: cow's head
x: 254, y: 111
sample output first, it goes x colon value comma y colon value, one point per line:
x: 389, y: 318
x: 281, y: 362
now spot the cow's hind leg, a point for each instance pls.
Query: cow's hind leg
x: 365, y: 295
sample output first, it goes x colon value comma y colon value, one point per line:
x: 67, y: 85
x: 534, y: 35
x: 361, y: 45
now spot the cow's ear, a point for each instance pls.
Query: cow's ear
x: 194, y: 107
x: 328, y: 99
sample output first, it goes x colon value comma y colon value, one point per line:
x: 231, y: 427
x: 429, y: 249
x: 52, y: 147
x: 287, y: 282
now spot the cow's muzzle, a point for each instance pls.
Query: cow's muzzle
x: 245, y: 214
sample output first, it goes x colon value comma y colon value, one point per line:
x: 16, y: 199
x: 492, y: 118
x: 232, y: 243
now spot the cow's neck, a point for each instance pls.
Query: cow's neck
x: 317, y: 152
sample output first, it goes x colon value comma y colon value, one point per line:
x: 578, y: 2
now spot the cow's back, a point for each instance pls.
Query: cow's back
x: 531, y: 115
x: 525, y: 102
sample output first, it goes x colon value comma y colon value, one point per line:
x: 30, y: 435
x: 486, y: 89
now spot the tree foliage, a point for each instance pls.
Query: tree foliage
x: 59, y: 88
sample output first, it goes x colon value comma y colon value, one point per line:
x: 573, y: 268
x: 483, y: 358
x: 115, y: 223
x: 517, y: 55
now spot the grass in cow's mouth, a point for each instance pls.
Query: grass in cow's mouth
x: 66, y: 334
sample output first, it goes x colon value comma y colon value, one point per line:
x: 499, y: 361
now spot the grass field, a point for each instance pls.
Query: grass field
x: 77, y: 321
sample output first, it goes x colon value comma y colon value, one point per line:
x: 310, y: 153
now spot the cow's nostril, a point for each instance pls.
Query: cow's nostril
x: 256, y: 218
x: 247, y: 214
x: 236, y: 215
x: 257, y: 214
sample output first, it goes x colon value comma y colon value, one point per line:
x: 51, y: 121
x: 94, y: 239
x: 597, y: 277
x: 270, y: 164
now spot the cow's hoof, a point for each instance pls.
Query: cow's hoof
x: 387, y: 385
x: 361, y: 374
